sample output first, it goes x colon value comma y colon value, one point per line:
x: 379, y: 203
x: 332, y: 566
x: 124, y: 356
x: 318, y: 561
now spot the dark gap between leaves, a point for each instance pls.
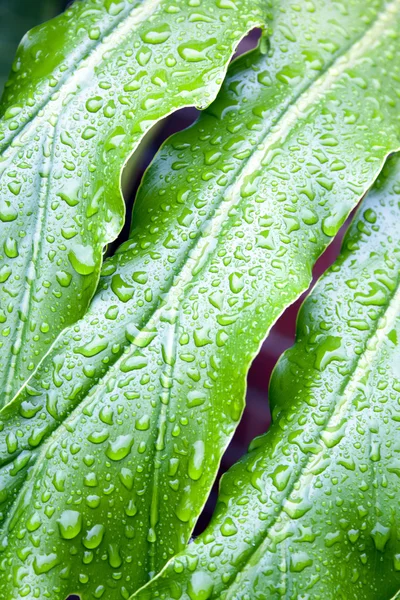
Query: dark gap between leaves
x: 256, y: 417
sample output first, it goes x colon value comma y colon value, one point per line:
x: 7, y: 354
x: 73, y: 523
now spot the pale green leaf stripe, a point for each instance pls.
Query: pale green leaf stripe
x: 85, y: 89
x: 218, y: 249
x: 312, y: 511
x: 16, y: 17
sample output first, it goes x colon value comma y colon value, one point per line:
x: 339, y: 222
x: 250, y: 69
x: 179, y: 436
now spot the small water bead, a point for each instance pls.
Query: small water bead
x: 59, y: 481
x: 70, y: 524
x: 11, y: 442
x: 120, y: 448
x: 200, y: 586
x: 143, y: 56
x: 195, y: 51
x: 196, y: 398
x: 140, y: 277
x: 94, y: 104
x: 7, y: 211
x: 94, y: 537
x: 228, y: 528
x: 93, y: 501
x: 11, y: 248
x: 106, y: 415
x: 82, y: 259
x: 95, y: 33
x: 5, y: 273
x: 98, y: 437
x: 131, y: 508
x: 226, y: 4
x: 196, y: 460
x: 43, y: 563
x: 300, y: 561
x: 381, y: 535
x: 64, y: 278
x: 157, y: 35
x: 92, y: 348
x: 236, y: 282
x: 122, y: 289
x: 114, y: 557
x: 143, y: 423
x: 396, y: 562
x: 127, y: 478
x: 88, y: 133
x: 281, y: 477
x: 33, y: 523
x: 114, y: 7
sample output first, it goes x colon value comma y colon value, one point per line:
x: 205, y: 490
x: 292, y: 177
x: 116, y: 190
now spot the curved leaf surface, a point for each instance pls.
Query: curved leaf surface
x: 84, y: 90
x: 16, y: 17
x: 312, y: 511
x: 227, y: 225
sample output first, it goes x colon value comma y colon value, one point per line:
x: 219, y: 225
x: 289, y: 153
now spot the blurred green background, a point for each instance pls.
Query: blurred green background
x: 16, y: 17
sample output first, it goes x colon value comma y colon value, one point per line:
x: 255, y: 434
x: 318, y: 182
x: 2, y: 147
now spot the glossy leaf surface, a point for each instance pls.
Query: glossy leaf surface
x: 84, y: 90
x: 312, y: 510
x: 228, y: 223
x: 16, y: 17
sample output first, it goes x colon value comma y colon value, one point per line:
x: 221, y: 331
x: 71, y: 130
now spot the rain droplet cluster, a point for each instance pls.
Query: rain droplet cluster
x: 312, y: 511
x: 143, y: 394
x: 85, y: 89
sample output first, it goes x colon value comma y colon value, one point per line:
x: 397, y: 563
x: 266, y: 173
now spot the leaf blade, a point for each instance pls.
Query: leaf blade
x: 77, y: 105
x: 193, y: 383
x: 289, y: 532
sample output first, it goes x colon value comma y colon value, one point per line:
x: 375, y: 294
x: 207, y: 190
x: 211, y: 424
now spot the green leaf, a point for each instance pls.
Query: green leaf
x: 227, y: 226
x: 84, y: 90
x: 312, y: 511
x: 16, y: 17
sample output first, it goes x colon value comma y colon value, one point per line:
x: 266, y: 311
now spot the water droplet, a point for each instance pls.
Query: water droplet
x: 123, y: 290
x: 43, y: 563
x: 228, y: 527
x: 200, y: 586
x: 381, y: 535
x: 120, y: 448
x: 195, y: 51
x: 196, y: 460
x: 70, y: 524
x: 82, y: 259
x: 157, y: 35
x: 114, y: 7
x: 94, y: 537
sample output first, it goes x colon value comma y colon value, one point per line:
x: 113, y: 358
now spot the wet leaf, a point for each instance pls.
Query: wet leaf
x: 144, y: 393
x: 84, y: 90
x: 312, y: 511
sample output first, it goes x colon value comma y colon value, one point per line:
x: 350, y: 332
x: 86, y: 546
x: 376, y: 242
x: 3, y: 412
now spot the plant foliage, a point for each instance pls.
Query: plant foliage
x: 310, y: 512
x: 84, y: 90
x: 115, y: 416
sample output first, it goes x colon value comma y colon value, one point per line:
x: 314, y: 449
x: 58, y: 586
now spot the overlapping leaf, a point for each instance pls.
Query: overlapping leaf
x: 312, y: 511
x: 16, y: 17
x: 84, y: 90
x: 227, y: 226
